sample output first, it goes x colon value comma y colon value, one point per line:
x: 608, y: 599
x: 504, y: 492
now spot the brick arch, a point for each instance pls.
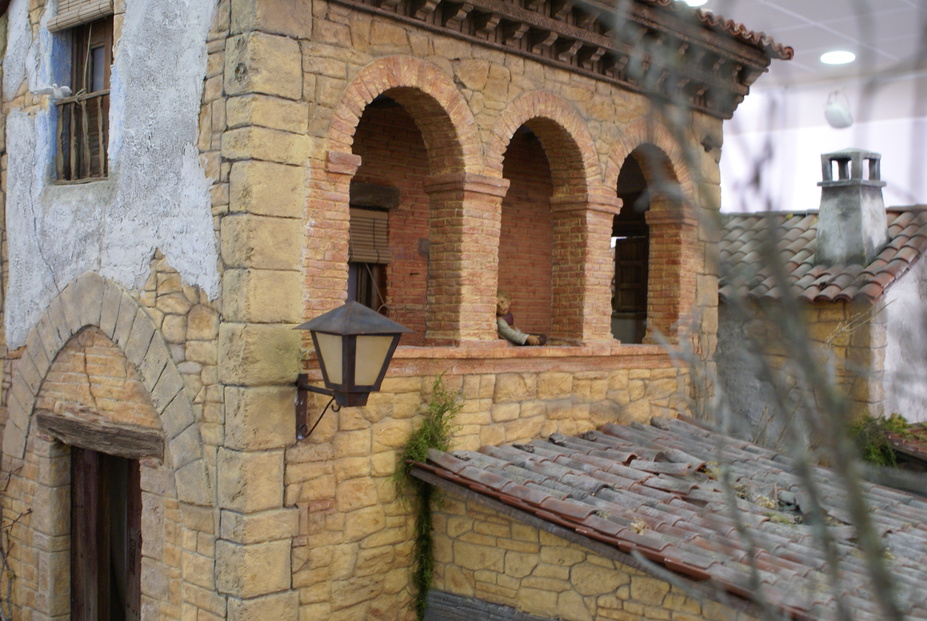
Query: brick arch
x: 429, y: 96
x: 561, y: 130
x: 91, y: 301
x: 659, y: 147
x: 672, y: 221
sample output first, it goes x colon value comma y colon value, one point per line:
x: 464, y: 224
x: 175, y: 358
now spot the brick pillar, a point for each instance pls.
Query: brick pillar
x: 674, y: 266
x: 582, y: 267
x: 328, y: 231
x: 465, y: 225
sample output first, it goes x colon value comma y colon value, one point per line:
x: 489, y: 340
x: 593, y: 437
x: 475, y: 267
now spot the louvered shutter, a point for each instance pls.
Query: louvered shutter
x: 369, y: 243
x: 76, y: 12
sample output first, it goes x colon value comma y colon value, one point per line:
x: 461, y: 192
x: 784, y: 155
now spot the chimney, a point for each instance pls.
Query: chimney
x: 852, y: 227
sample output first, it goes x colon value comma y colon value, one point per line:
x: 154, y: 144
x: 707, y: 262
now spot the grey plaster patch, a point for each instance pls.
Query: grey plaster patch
x: 157, y: 194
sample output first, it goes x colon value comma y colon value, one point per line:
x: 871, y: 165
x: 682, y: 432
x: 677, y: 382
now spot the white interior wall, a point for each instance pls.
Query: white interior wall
x: 771, y: 157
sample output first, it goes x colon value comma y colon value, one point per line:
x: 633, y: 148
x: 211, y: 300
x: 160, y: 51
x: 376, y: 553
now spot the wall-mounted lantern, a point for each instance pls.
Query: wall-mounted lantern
x: 354, y: 345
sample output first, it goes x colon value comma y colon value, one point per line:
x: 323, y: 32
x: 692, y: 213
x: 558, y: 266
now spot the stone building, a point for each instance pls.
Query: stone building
x: 199, y: 188
x: 853, y: 271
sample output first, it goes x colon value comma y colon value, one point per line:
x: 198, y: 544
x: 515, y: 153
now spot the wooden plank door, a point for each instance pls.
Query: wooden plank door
x: 105, y: 537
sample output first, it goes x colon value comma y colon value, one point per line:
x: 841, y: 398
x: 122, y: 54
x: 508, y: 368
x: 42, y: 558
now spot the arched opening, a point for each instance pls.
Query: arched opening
x: 93, y: 401
x: 631, y: 251
x: 648, y: 237
x: 389, y: 246
x: 527, y: 237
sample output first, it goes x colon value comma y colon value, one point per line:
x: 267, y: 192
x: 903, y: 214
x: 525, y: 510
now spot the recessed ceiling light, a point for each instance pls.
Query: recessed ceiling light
x: 696, y: 2
x: 837, y: 57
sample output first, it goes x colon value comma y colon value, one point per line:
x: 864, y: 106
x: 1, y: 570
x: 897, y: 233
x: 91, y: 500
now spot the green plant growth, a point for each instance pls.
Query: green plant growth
x: 871, y: 434
x: 434, y: 433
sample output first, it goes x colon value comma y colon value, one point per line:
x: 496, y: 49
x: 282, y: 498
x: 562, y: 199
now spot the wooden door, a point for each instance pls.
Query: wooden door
x: 105, y: 537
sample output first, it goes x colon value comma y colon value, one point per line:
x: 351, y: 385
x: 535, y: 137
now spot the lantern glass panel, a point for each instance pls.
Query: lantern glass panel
x: 371, y: 355
x: 330, y: 353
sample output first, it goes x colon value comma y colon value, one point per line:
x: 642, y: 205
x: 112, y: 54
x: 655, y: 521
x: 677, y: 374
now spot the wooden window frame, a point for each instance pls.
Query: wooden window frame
x: 83, y: 118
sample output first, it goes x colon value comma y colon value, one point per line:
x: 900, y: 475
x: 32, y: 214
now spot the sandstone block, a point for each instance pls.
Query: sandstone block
x: 253, y: 570
x: 259, y: 417
x: 515, y: 387
x: 256, y: 62
x: 648, y: 591
x: 519, y: 565
x: 261, y: 143
x: 184, y: 448
x: 192, y: 483
x: 267, y: 111
x: 250, y: 528
x: 590, y: 580
x: 473, y: 557
x: 571, y: 605
x: 284, y: 17
x: 355, y: 494
x: 268, y: 189
x: 255, y: 354
x: 262, y: 296
x: 555, y: 385
x: 363, y: 523
x: 166, y: 390
x: 250, y: 482
x: 279, y: 607
x: 202, y: 323
x: 262, y: 242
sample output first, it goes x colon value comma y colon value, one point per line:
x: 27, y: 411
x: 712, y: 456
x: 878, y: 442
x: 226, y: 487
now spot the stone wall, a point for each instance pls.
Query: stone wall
x: 352, y: 558
x: 483, y: 554
x: 848, y: 342
x: 239, y: 521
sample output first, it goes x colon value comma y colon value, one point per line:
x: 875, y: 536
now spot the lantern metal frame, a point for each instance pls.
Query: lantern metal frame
x: 348, y: 323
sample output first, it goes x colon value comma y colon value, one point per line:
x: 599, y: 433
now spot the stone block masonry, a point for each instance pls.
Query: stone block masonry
x: 483, y: 554
x: 506, y: 169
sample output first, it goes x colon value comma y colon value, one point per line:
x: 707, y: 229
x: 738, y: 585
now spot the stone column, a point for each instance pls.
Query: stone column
x: 465, y: 225
x: 262, y: 241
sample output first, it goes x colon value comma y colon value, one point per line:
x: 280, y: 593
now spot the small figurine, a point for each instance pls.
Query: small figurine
x: 506, y: 323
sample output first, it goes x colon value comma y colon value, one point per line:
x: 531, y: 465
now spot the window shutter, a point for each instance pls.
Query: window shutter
x: 369, y: 243
x: 76, y: 12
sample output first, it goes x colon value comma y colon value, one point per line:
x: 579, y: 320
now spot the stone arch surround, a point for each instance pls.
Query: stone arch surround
x: 91, y: 300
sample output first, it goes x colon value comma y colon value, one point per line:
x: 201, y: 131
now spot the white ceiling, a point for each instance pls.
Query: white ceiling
x: 888, y: 36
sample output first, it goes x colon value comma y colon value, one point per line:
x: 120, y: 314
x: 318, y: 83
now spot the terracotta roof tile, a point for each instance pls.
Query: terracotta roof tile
x: 672, y: 511
x: 794, y: 237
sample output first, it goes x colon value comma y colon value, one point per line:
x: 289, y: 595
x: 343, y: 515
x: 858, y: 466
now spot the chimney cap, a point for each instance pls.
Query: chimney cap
x: 851, y: 167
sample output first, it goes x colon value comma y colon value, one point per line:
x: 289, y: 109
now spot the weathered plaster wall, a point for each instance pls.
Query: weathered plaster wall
x: 906, y: 345
x: 157, y: 195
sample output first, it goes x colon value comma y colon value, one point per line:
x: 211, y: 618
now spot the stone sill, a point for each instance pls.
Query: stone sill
x: 492, y: 357
x: 499, y: 350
